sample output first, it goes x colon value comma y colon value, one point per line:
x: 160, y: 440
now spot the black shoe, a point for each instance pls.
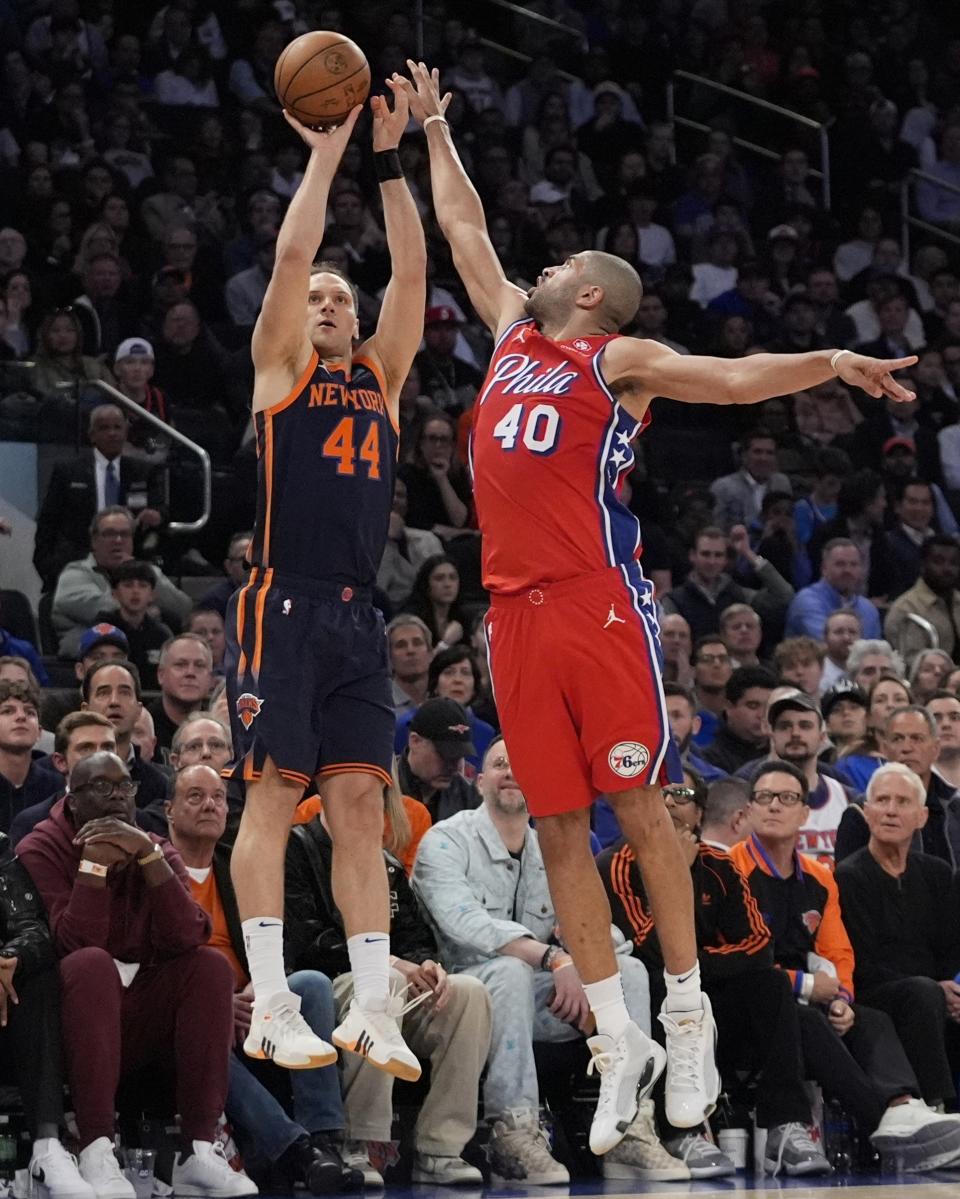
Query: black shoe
x: 327, y: 1174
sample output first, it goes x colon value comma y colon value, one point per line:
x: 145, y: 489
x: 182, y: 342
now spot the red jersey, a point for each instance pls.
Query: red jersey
x: 549, y: 452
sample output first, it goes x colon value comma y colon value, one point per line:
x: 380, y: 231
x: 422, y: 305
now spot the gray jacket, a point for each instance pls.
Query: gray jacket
x: 83, y: 590
x: 733, y: 498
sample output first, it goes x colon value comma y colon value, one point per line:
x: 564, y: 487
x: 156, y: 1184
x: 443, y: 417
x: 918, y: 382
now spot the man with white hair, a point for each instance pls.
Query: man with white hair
x: 901, y: 908
x: 869, y: 659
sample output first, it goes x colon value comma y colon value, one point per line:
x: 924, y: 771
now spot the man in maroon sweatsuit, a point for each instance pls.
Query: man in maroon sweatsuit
x: 139, y: 984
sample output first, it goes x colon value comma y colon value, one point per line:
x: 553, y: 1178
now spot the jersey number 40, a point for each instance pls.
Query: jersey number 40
x: 541, y: 428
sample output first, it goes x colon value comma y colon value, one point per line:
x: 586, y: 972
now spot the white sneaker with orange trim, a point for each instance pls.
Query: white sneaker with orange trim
x: 376, y: 1036
x: 279, y: 1033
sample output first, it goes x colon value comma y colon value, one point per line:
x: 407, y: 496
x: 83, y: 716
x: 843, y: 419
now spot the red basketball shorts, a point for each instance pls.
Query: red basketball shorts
x: 576, y: 677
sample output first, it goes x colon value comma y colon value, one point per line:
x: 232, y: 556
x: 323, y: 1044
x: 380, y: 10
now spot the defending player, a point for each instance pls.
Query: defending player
x: 307, y: 660
x: 572, y: 631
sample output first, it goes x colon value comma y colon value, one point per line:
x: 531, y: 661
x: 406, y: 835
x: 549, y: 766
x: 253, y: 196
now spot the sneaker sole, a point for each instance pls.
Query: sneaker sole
x: 919, y: 1158
x: 301, y: 1062
x: 621, y: 1171
x: 770, y: 1165
x: 532, y: 1180
x: 401, y: 1070
x: 425, y: 1176
x: 712, y: 1171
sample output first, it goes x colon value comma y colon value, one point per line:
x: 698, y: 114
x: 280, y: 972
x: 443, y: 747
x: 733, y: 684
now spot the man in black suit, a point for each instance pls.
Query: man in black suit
x: 100, y: 477
x: 915, y: 509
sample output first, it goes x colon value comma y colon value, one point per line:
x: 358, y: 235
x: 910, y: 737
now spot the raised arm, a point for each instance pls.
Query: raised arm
x: 280, y: 339
x: 640, y: 370
x: 460, y: 214
x: 400, y: 327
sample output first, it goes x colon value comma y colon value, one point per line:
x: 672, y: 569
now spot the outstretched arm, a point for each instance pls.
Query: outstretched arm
x: 641, y: 370
x: 280, y: 334
x: 497, y: 301
x: 400, y: 326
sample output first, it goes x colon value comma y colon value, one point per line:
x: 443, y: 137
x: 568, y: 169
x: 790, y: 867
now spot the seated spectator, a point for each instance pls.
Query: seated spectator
x: 468, y: 874
x: 185, y: 675
x: 133, y: 590
x: 438, y: 489
x: 450, y: 1027
x: 929, y: 671
x: 915, y: 512
x: 711, y: 673
x: 708, y: 590
x: 30, y: 1028
x: 826, y: 412
x: 798, y: 321
x: 796, y: 734
x: 83, y: 587
x: 59, y: 359
x: 910, y: 738
x: 99, y: 478
x: 410, y: 646
x: 742, y: 734
x: 936, y: 204
x: 191, y: 363
x: 235, y: 567
x: 139, y: 986
x: 774, y: 538
x: 742, y: 632
x: 676, y: 641
x: 737, y: 497
x: 833, y: 325
x: 934, y: 597
x: 752, y: 1001
x: 306, y: 1148
x: 749, y: 304
x: 452, y: 382
x: 724, y: 819
x: 901, y: 908
x: 684, y: 726
x: 944, y: 707
x: 453, y: 675
x: 245, y: 290
x: 430, y: 769
x: 435, y: 598
x: 839, y: 586
x: 892, y: 313
x: 202, y: 740
x: 844, y: 711
x: 16, y: 647
x: 851, y: 1050
x: 718, y: 273
x: 861, y: 505
x: 100, y: 643
x: 208, y: 624
x: 869, y: 659
x: 857, y: 761
x: 26, y: 777
x: 831, y: 466
x: 841, y: 629
x: 406, y: 549
x: 799, y: 662
x: 78, y: 735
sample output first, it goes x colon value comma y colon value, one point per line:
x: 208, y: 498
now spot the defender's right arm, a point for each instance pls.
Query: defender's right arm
x: 280, y: 342
x: 498, y: 302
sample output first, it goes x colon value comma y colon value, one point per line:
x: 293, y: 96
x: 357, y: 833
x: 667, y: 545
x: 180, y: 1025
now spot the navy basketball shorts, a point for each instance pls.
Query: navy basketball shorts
x: 307, y: 680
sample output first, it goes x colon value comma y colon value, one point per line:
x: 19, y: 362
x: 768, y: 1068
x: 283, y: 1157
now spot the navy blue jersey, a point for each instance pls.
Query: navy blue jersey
x: 327, y: 461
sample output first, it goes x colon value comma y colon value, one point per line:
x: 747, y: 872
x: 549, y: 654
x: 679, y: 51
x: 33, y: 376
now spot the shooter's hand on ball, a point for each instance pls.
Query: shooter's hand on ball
x: 328, y: 143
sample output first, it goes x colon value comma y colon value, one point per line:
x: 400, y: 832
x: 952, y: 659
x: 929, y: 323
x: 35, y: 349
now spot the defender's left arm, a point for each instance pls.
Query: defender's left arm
x: 640, y: 370
x: 399, y: 331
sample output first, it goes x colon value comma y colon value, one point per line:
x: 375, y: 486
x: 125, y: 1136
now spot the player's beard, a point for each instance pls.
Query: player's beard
x: 549, y: 305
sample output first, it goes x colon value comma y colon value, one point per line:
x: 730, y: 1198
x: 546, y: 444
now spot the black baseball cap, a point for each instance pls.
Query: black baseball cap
x: 447, y: 725
x: 843, y: 690
x: 794, y: 702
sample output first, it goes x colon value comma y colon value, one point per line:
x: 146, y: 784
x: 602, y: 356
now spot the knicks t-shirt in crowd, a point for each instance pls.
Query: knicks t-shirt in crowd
x: 203, y: 886
x: 417, y: 814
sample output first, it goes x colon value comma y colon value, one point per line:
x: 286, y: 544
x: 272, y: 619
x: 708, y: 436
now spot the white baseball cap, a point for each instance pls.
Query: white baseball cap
x: 134, y: 347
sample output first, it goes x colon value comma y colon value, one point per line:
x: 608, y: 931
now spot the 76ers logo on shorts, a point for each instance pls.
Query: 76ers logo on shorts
x: 628, y: 759
x: 248, y: 708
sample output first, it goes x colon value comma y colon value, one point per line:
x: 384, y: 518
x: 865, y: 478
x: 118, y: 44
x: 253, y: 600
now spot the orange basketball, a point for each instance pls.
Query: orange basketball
x: 320, y: 77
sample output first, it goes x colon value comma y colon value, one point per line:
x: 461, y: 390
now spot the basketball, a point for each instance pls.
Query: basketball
x: 320, y: 77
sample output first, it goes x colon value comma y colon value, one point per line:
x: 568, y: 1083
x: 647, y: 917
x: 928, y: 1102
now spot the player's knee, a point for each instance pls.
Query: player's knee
x: 355, y: 815
x: 562, y: 834
x: 639, y: 812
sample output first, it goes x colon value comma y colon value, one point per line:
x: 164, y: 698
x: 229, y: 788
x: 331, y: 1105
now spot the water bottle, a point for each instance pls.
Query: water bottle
x: 839, y: 1142
x: 8, y: 1150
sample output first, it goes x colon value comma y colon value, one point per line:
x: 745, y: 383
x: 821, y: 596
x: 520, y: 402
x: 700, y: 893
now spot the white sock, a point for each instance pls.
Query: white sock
x: 263, y: 940
x: 683, y: 991
x: 370, y: 965
x: 606, y: 1002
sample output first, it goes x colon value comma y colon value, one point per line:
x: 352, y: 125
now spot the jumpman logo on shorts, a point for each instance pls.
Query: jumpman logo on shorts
x: 613, y: 618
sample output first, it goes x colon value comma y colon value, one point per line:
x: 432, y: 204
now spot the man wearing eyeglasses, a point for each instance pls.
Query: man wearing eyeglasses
x: 139, y: 985
x: 852, y: 1051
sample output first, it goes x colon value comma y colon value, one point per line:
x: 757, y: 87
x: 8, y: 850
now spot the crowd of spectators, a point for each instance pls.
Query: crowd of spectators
x: 805, y: 554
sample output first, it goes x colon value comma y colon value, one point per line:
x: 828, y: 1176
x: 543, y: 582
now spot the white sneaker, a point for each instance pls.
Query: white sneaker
x: 921, y: 1138
x: 356, y: 1156
x: 790, y: 1148
x: 207, y: 1172
x: 54, y: 1173
x: 279, y: 1033
x: 100, y: 1169
x: 628, y: 1068
x: 519, y: 1152
x: 445, y: 1171
x: 640, y: 1155
x: 693, y: 1082
x: 376, y: 1036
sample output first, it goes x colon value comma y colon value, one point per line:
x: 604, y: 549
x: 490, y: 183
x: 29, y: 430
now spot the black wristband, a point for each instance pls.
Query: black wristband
x: 545, y: 960
x: 387, y: 165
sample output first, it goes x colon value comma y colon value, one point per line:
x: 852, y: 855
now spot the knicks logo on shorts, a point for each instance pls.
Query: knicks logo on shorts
x: 248, y: 708
x: 628, y: 759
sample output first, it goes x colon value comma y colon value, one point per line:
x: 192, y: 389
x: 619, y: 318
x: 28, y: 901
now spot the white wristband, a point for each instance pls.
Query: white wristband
x: 437, y: 116
x: 836, y: 358
x: 85, y: 866
x: 806, y: 987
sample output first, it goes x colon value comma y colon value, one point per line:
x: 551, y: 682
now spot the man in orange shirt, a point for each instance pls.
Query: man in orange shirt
x: 306, y: 1150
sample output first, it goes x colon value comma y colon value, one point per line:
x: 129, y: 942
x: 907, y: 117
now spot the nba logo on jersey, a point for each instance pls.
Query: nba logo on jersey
x: 248, y: 708
x: 581, y: 345
x: 628, y: 758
